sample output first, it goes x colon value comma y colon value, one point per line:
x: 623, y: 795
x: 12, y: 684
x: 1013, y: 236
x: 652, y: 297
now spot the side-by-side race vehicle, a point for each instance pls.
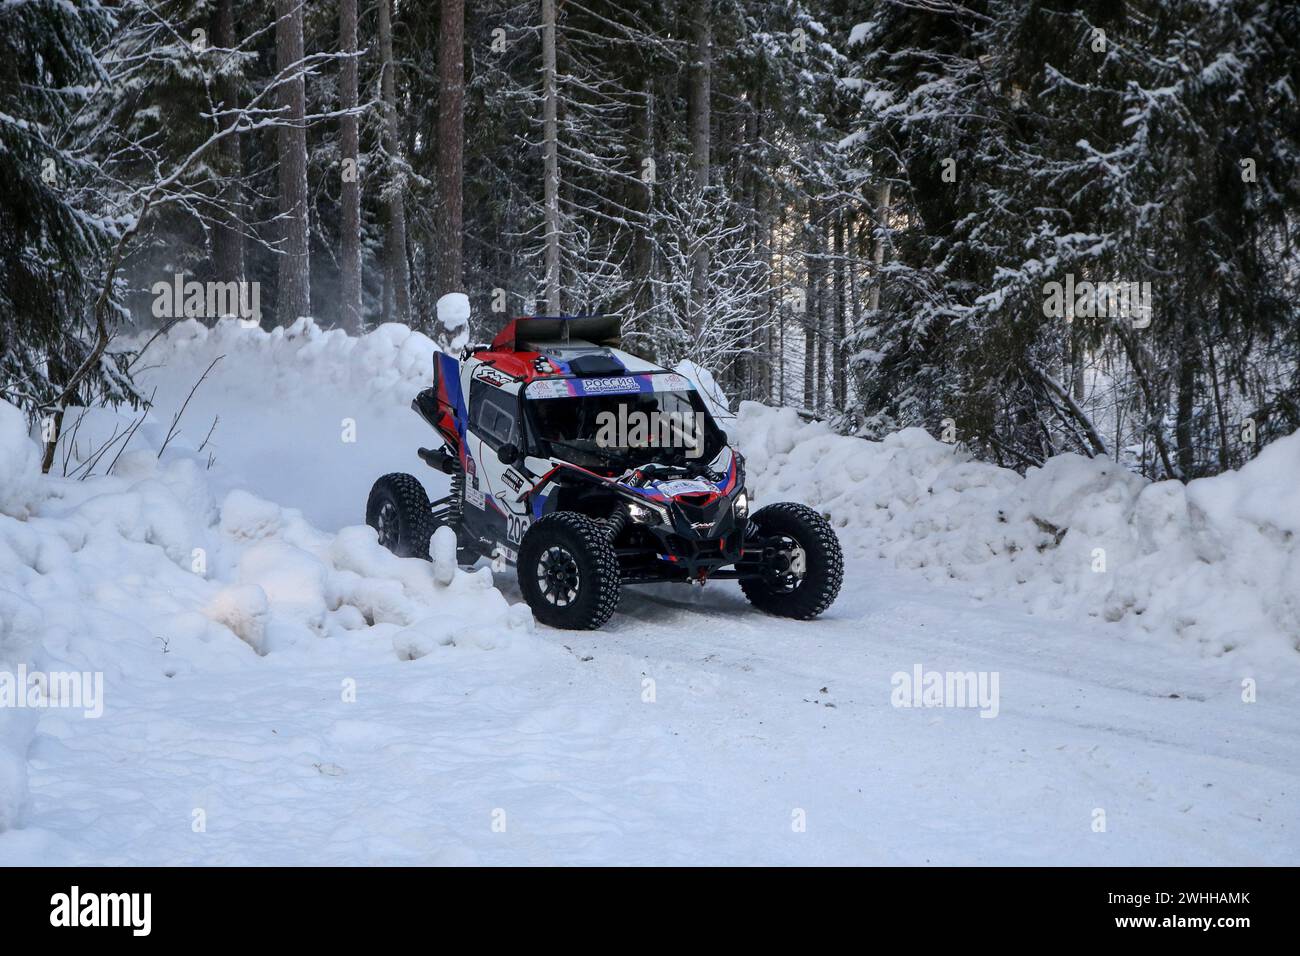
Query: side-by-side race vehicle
x: 548, y: 475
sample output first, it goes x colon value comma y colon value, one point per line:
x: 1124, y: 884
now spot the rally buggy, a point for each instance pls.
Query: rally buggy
x: 588, y: 468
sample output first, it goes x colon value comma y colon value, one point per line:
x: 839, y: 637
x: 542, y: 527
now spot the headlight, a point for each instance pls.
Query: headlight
x: 742, y: 505
x: 644, y: 513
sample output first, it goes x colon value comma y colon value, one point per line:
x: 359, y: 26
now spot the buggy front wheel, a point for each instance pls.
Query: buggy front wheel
x: 568, y: 572
x: 801, y: 567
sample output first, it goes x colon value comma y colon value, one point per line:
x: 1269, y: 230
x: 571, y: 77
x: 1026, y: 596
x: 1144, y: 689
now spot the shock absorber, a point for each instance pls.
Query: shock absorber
x: 457, y: 496
x: 616, y: 522
x: 447, y: 511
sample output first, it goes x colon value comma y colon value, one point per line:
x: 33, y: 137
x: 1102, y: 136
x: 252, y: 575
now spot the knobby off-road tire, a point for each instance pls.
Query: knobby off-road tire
x: 568, y: 572
x: 398, y: 509
x: 824, y: 563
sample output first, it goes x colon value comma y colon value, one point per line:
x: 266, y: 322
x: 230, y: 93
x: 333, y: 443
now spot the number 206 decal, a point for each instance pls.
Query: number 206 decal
x: 517, y: 527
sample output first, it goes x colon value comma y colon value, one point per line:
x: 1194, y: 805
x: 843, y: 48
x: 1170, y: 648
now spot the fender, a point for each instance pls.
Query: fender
x: 559, y: 474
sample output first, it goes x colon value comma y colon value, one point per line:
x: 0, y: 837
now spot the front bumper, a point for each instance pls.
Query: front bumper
x: 698, y: 540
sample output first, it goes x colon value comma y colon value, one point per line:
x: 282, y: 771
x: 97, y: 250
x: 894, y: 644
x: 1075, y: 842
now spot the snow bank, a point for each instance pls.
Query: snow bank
x: 297, y: 415
x: 20, y: 463
x: 20, y: 619
x: 20, y: 628
x: 1213, y: 564
x: 383, y: 363
x: 157, y: 572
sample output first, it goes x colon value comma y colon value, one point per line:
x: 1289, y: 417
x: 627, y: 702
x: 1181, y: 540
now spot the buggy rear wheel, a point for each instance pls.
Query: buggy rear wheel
x: 398, y: 509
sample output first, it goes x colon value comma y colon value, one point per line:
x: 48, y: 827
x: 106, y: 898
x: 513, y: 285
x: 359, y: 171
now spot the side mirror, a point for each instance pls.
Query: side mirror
x: 508, y: 454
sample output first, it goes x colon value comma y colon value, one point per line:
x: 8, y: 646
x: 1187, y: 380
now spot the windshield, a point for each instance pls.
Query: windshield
x: 618, y: 432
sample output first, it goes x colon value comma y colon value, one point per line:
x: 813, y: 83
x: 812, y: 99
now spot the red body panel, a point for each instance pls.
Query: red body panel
x: 520, y: 365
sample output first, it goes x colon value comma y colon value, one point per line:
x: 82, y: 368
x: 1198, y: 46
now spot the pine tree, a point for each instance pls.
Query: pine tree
x: 1035, y: 143
x: 52, y: 227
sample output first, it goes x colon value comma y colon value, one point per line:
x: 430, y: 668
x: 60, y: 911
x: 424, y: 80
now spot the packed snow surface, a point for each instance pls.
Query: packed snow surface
x: 279, y: 689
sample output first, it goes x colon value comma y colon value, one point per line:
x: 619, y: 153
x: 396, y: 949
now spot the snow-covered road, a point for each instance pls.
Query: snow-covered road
x: 692, y: 729
x: 550, y: 752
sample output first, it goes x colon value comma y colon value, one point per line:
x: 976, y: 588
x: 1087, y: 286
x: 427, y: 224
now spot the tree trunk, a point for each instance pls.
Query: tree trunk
x: 859, y: 253
x: 1208, y: 347
x: 763, y: 359
x: 294, y: 277
x: 781, y: 248
x: 839, y: 386
x: 1185, y: 408
x: 395, y: 240
x: 812, y: 311
x: 772, y: 299
x: 350, y: 227
x: 550, y: 160
x: 751, y: 361
x: 878, y: 250
x: 823, y: 312
x: 699, y: 126
x: 386, y: 292
x: 701, y: 78
x: 1074, y: 360
x: 227, y: 237
x: 451, y: 145
x: 643, y: 239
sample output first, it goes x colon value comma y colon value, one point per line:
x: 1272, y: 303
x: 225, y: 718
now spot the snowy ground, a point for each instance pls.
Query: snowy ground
x: 690, y: 730
x: 556, y: 735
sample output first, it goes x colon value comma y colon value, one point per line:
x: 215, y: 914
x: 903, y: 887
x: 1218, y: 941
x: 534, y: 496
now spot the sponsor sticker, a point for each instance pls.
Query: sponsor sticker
x: 549, y: 388
x: 609, y: 385
x: 615, y: 385
x: 493, y: 376
x: 685, y: 486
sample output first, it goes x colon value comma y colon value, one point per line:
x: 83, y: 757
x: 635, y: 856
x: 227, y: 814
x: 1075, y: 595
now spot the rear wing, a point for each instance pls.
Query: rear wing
x: 558, y: 329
